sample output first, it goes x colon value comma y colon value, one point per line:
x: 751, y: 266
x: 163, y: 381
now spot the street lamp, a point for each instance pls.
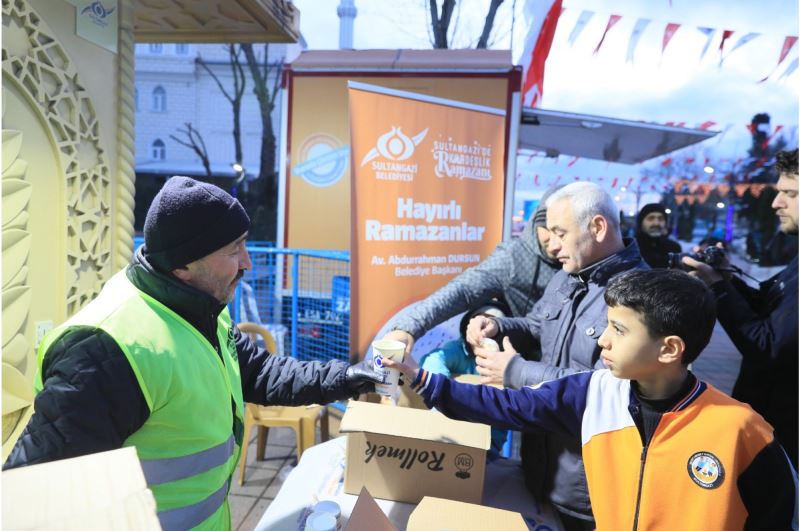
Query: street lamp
x: 240, y: 171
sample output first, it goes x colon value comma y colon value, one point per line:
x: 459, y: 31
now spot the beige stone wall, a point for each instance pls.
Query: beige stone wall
x: 67, y: 180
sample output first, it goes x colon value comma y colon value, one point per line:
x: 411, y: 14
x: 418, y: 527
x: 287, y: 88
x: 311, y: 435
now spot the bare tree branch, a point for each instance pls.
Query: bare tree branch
x: 214, y: 76
x: 441, y: 24
x: 194, y: 141
x: 266, y: 187
x: 234, y: 97
x: 488, y: 23
x: 239, y: 83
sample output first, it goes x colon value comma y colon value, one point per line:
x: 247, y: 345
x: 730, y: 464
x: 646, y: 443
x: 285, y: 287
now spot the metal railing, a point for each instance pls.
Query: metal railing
x: 302, y: 296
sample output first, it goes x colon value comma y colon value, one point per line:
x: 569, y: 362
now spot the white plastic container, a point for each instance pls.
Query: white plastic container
x: 330, y: 507
x: 321, y: 522
x: 387, y: 349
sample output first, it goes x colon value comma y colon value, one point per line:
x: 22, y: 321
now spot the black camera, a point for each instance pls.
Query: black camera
x: 713, y: 256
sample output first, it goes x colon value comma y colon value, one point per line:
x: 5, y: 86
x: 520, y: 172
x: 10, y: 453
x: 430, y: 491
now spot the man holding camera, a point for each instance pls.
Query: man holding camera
x: 762, y: 323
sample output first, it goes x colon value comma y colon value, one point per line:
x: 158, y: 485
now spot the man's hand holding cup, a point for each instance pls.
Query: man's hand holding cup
x: 480, y: 327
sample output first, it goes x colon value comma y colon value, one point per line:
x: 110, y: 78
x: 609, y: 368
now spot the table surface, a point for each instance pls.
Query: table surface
x: 320, y: 473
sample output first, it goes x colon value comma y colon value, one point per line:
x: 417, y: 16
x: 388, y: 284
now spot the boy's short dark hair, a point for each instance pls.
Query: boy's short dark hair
x: 670, y: 302
x: 787, y: 163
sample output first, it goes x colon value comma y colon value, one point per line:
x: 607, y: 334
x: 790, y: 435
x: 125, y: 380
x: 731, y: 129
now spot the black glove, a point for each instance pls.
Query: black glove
x: 361, y: 378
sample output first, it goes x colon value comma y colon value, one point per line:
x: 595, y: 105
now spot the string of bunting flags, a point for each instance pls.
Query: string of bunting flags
x: 725, y: 47
x: 686, y: 190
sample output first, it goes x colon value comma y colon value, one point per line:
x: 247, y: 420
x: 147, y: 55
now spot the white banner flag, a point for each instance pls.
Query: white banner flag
x: 583, y: 19
x: 789, y: 69
x: 709, y: 33
x: 744, y: 39
x: 636, y: 34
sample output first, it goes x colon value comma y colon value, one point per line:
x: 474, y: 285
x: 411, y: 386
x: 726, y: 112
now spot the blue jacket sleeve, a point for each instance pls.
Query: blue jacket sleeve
x: 555, y: 406
x: 520, y: 373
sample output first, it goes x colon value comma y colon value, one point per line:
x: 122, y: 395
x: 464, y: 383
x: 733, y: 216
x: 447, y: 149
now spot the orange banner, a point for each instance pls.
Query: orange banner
x: 427, y: 198
x: 318, y: 174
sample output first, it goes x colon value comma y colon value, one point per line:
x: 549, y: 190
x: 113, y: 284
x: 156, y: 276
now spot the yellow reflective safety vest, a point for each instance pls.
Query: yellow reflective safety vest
x: 187, y: 445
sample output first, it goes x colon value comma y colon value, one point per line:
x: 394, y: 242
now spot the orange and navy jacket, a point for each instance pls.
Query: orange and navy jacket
x: 712, y: 463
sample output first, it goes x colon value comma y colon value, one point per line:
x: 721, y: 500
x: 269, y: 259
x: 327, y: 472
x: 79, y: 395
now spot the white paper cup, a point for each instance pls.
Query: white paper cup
x: 490, y: 344
x: 387, y: 349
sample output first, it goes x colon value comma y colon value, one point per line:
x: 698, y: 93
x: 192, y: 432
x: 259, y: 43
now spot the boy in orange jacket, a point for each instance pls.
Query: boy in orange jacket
x: 662, y: 449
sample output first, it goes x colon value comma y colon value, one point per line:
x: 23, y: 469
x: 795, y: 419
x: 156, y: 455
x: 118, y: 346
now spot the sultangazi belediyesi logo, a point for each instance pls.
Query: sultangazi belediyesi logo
x: 392, y: 151
x: 394, y: 145
x: 98, y: 13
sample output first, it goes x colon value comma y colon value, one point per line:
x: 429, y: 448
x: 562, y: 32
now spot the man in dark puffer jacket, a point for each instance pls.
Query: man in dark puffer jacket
x: 106, y: 379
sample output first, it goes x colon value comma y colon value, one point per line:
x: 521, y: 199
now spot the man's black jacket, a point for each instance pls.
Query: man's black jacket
x: 91, y: 401
x: 654, y: 250
x: 762, y: 324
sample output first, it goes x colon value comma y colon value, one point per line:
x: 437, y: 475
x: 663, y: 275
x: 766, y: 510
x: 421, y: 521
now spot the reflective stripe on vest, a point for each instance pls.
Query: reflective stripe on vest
x: 190, y: 516
x: 158, y: 471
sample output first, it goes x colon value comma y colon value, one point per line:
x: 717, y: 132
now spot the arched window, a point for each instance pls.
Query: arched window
x: 156, y: 47
x: 159, y: 99
x: 158, y: 150
x: 182, y: 48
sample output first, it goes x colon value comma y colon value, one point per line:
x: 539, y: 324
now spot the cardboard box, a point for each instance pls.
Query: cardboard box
x: 367, y: 515
x: 105, y: 491
x: 404, y: 454
x: 435, y: 514
x: 475, y: 379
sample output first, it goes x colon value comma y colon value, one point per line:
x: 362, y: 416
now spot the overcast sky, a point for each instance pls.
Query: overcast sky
x: 677, y: 87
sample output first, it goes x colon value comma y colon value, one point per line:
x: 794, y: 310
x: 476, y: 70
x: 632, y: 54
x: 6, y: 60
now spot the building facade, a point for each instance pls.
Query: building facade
x: 173, y: 89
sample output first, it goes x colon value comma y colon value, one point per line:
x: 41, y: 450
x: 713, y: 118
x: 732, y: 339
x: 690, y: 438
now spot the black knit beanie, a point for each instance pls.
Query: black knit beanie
x: 188, y: 220
x: 539, y: 218
x: 649, y: 208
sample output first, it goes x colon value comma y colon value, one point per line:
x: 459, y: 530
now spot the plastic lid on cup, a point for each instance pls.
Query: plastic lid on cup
x: 328, y: 506
x: 321, y: 522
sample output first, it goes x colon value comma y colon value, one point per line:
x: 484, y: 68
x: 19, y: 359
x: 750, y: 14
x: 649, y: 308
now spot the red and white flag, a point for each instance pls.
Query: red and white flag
x: 726, y: 34
x: 612, y: 20
x: 669, y: 31
x: 543, y: 19
x: 788, y: 44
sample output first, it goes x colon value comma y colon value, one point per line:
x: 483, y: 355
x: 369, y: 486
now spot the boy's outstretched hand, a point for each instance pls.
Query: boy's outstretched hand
x: 409, y: 373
